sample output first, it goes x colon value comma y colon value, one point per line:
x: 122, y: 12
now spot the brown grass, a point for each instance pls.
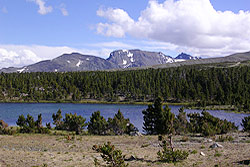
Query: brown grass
x: 41, y: 150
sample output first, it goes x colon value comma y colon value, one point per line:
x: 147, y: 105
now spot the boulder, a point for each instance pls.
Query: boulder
x: 216, y: 145
x: 203, y: 154
x: 135, y: 133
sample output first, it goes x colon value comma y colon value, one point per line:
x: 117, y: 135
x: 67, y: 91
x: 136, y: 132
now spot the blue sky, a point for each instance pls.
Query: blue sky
x: 34, y: 30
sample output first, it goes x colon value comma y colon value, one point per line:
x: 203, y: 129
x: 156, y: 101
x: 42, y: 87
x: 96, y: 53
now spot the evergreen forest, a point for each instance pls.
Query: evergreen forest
x: 203, y: 86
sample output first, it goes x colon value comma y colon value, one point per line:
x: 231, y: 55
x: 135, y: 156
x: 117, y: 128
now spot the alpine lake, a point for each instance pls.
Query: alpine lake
x: 9, y: 112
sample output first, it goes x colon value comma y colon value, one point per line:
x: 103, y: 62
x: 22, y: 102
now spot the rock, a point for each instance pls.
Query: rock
x: 209, y: 140
x: 135, y: 133
x: 216, y: 145
x: 131, y: 158
x: 203, y: 154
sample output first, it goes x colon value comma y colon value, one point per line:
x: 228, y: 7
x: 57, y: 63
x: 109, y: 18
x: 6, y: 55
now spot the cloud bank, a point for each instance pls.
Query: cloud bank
x: 22, y: 55
x: 192, y: 25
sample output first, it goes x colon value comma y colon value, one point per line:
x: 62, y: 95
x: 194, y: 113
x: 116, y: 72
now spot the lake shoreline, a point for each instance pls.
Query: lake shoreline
x: 226, y: 108
x: 97, y: 102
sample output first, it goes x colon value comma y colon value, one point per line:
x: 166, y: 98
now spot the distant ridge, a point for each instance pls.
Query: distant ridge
x: 121, y: 59
x: 185, y: 56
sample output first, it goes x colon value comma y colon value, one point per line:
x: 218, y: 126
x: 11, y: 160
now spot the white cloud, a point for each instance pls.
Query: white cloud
x: 191, y: 25
x: 16, y: 58
x: 119, y: 17
x: 43, y: 9
x: 21, y: 55
x: 63, y: 9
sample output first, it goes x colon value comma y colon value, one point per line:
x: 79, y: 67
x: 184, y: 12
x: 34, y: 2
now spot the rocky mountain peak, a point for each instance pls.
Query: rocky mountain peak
x: 185, y: 56
x: 138, y: 58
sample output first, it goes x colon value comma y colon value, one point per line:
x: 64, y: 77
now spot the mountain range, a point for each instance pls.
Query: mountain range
x: 117, y: 59
x: 121, y: 59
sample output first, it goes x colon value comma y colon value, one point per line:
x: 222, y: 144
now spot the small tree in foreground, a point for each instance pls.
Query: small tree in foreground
x: 57, y: 120
x: 168, y: 154
x: 208, y: 125
x: 97, y: 124
x: 111, y: 156
x: 181, y: 122
x: 72, y: 122
x: 120, y: 125
x: 158, y: 120
x: 28, y: 125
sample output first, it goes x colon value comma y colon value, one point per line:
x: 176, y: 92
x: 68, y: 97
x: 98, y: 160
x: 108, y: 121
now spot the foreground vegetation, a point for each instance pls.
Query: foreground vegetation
x: 204, y: 86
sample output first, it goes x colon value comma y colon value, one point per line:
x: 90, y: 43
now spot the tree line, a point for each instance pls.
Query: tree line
x: 98, y: 125
x: 205, y: 86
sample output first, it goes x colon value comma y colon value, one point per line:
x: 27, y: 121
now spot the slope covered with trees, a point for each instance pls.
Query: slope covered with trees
x: 227, y: 86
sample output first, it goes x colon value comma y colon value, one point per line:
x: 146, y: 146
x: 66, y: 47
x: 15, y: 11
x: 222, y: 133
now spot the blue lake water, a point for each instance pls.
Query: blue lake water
x: 9, y: 112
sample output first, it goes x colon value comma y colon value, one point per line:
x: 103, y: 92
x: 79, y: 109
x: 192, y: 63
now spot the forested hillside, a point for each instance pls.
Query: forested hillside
x: 182, y: 84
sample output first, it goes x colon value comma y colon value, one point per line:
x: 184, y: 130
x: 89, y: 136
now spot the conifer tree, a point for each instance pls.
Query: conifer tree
x: 97, y: 124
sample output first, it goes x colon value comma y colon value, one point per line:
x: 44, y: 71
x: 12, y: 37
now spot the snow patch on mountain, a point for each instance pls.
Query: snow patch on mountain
x: 79, y: 63
x: 21, y: 70
x: 125, y: 51
x: 124, y: 62
x: 130, y: 54
x: 179, y: 60
x: 169, y: 60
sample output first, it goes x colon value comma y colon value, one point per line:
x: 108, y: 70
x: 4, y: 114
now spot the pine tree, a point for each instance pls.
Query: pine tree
x: 57, y: 120
x: 97, y: 124
x: 181, y: 123
x: 118, y: 124
x: 39, y: 121
x: 158, y: 120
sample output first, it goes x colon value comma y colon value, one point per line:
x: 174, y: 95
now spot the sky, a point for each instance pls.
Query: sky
x: 35, y: 30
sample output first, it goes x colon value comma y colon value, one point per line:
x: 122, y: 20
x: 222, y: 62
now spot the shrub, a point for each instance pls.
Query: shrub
x: 111, y: 156
x: 168, y: 154
x: 5, y: 130
x: 48, y: 126
x: 246, y: 124
x: 28, y: 125
x: 217, y: 154
x: 194, y: 152
x: 119, y: 125
x: 209, y: 125
x: 224, y: 138
x: 97, y: 124
x: 3, y: 124
x: 72, y: 122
